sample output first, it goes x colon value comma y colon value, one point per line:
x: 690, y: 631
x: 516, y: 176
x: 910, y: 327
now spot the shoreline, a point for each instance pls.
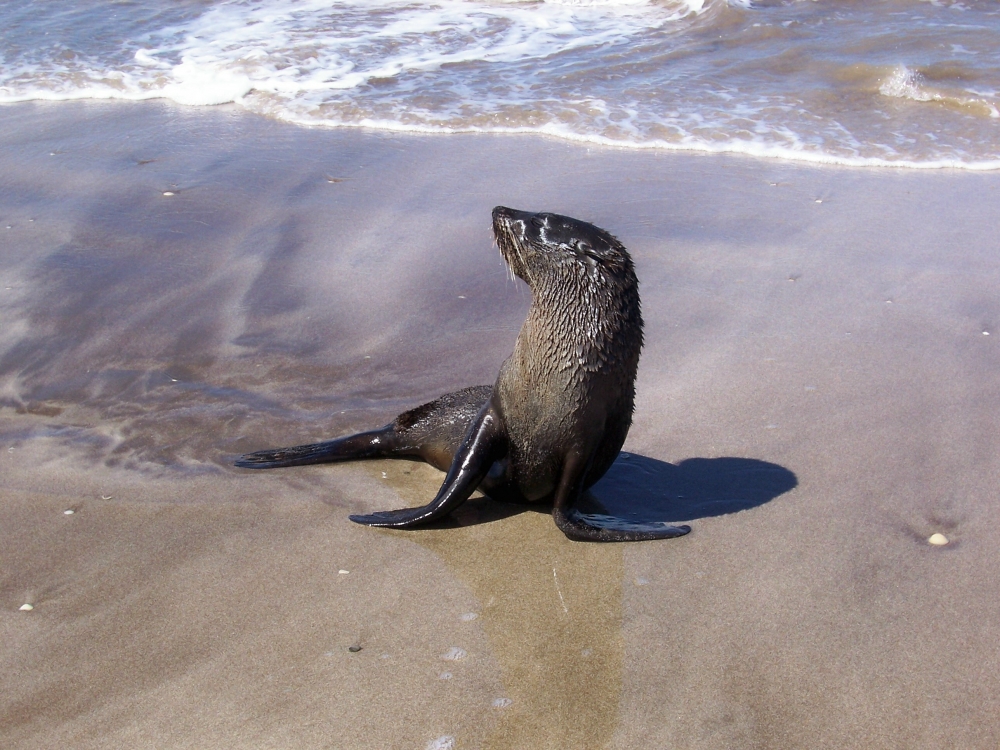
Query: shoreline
x: 838, y: 323
x: 759, y: 153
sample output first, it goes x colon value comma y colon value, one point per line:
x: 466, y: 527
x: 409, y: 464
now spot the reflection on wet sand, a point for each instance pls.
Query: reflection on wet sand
x: 552, y: 610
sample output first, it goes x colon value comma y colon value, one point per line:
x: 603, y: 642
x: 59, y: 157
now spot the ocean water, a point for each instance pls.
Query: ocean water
x: 911, y: 83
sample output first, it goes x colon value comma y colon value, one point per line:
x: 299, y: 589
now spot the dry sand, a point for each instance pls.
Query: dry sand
x: 818, y: 395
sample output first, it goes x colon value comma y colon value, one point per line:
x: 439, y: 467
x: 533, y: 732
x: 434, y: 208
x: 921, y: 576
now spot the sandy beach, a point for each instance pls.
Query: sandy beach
x: 818, y: 395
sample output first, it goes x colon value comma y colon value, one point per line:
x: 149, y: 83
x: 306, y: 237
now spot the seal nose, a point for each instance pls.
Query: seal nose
x: 502, y: 212
x: 508, y: 216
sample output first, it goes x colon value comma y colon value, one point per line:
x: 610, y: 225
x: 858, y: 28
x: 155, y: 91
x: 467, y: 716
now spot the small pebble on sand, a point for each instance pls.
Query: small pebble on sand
x: 68, y: 512
x: 937, y: 540
x: 169, y: 192
x: 343, y: 572
x: 26, y: 608
x: 469, y: 617
x: 354, y: 649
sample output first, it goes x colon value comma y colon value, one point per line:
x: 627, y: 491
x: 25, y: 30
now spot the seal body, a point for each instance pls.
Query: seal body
x: 558, y: 414
x: 569, y: 385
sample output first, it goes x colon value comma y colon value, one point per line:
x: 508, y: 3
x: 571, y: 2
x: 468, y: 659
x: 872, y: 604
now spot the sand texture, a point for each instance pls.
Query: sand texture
x: 819, y: 394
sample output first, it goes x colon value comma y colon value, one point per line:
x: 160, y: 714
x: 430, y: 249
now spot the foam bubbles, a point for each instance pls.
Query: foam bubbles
x: 201, y: 84
x: 905, y: 84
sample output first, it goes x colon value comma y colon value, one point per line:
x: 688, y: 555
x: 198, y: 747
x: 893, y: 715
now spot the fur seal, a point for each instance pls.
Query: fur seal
x: 557, y: 416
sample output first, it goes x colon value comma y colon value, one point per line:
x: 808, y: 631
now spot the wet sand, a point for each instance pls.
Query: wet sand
x: 817, y: 397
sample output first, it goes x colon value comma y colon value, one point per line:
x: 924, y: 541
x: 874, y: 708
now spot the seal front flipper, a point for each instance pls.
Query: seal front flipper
x: 593, y: 527
x: 485, y: 442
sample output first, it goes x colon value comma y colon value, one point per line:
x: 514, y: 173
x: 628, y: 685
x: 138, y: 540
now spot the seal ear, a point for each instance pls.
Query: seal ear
x: 582, y: 246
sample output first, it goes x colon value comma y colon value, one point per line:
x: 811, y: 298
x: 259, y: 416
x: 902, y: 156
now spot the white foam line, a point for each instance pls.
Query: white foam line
x: 690, y: 145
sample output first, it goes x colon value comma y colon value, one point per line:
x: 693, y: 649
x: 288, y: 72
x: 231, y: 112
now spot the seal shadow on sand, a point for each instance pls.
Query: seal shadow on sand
x: 641, y: 489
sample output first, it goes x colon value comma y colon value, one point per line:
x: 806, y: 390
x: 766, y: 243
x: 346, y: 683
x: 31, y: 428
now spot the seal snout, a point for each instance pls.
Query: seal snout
x: 505, y: 219
x: 502, y: 212
x: 509, y: 231
x: 508, y: 217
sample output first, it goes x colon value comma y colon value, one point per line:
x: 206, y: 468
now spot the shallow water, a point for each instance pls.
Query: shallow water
x: 899, y: 82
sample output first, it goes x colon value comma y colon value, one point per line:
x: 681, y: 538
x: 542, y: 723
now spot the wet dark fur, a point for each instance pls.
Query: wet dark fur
x: 561, y: 407
x: 575, y: 361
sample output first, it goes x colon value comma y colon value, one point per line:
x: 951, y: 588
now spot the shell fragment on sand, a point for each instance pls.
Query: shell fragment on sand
x: 938, y: 540
x: 454, y: 654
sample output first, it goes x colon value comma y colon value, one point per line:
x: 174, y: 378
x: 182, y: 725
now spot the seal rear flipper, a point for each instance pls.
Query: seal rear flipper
x: 373, y: 444
x: 594, y: 527
x: 485, y: 442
